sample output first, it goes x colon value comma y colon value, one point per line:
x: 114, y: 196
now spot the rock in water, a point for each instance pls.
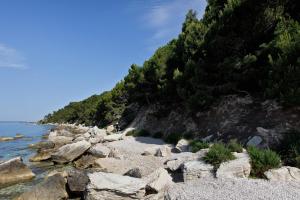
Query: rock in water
x: 110, y: 186
x: 53, y: 188
x: 41, y: 156
x: 196, y: 169
x: 5, y: 139
x: 237, y: 168
x: 70, y: 152
x: 285, y: 173
x: 14, y: 171
x: 158, y: 180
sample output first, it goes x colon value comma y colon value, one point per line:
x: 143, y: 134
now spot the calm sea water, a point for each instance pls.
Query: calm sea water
x: 32, y: 134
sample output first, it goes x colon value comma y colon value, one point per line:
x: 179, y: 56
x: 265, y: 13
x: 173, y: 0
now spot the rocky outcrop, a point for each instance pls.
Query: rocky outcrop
x: 196, y: 170
x: 283, y: 174
x: 99, y: 150
x: 114, y: 187
x: 158, y: 180
x: 53, y: 188
x: 14, y: 171
x: 70, y: 152
x: 237, y: 168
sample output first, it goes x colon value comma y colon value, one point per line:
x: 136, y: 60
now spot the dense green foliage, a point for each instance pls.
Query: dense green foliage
x: 198, y: 145
x: 238, y: 47
x: 262, y: 161
x: 290, y: 148
x: 217, y: 154
x: 234, y: 146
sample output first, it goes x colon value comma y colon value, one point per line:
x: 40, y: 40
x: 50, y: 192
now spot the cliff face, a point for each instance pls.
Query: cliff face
x: 247, y: 119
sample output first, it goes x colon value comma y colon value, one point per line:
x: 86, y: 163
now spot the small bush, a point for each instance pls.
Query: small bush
x: 234, y: 146
x: 173, y: 138
x: 198, y: 145
x: 217, y: 154
x: 262, y: 160
x: 138, y: 133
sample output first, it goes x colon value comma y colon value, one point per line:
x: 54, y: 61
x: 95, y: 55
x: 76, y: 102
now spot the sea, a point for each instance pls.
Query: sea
x: 33, y: 133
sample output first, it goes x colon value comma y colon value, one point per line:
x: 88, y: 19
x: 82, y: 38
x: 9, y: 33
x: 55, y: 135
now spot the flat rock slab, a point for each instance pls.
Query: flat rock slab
x: 14, y: 171
x: 53, y: 188
x: 110, y: 186
x: 284, y: 174
x: 70, y: 152
x: 233, y: 189
x: 158, y: 180
x: 237, y: 168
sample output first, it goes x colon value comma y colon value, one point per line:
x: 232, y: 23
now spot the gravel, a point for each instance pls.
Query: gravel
x: 234, y: 189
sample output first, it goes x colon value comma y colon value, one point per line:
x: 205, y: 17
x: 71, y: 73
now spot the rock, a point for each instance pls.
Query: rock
x: 5, y: 139
x: 14, y: 171
x: 182, y: 146
x: 55, y: 172
x: 177, y: 160
x: 127, y: 130
x: 77, y: 181
x: 18, y: 136
x: 164, y: 151
x: 41, y: 156
x: 110, y: 129
x: 114, y: 153
x: 70, y: 152
x: 52, y: 188
x: 110, y: 186
x: 99, y: 150
x: 255, y: 141
x: 96, y: 131
x: 113, y: 137
x: 284, y: 173
x: 237, y: 168
x: 42, y: 145
x: 95, y: 140
x: 196, y: 170
x: 86, y: 161
x: 135, y: 172
x: 158, y: 180
x: 150, y: 151
x: 59, y: 140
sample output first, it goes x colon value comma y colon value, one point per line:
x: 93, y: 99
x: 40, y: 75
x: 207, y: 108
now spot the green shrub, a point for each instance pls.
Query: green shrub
x: 262, y: 160
x: 198, y: 145
x: 173, y: 138
x: 289, y: 149
x: 217, y: 154
x: 138, y: 133
x: 234, y: 146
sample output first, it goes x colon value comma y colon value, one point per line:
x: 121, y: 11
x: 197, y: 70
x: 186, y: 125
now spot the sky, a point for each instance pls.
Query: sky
x: 53, y: 52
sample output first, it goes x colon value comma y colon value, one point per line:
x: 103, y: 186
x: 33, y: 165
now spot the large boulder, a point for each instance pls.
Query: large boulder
x: 111, y: 129
x: 59, y: 140
x: 85, y: 161
x: 110, y: 186
x: 99, y: 150
x: 285, y: 173
x: 237, y: 168
x: 196, y: 169
x: 70, y: 152
x: 14, y: 171
x: 182, y: 146
x: 113, y: 137
x: 158, y: 180
x: 163, y: 151
x: 53, y: 188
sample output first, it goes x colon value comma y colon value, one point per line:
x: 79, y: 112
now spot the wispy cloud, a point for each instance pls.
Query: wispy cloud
x: 165, y: 18
x: 11, y: 58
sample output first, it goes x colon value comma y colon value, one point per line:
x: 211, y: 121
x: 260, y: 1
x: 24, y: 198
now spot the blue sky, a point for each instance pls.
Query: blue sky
x: 56, y: 51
